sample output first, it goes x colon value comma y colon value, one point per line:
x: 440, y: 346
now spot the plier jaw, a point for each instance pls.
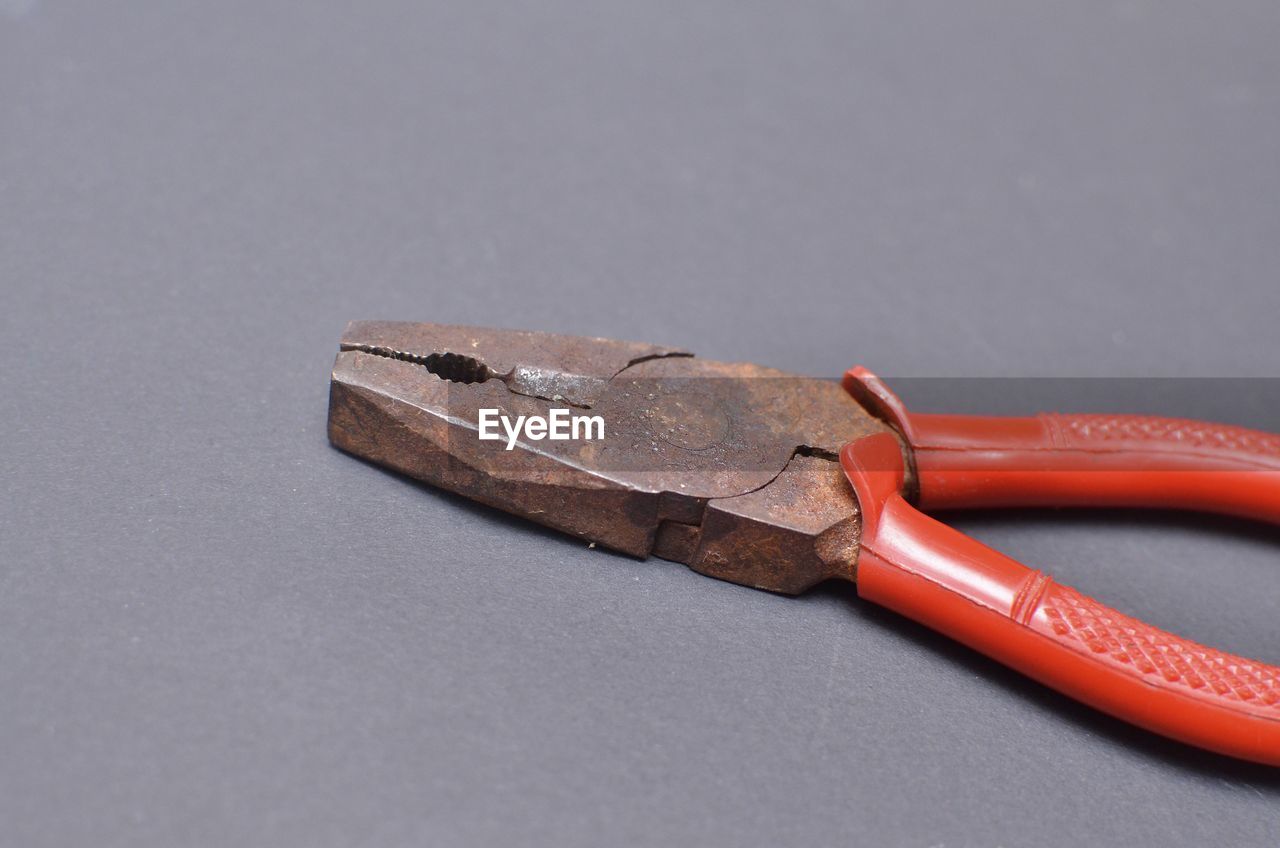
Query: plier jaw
x: 730, y: 468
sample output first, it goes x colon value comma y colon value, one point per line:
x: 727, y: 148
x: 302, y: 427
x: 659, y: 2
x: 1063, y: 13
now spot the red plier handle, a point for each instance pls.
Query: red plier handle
x: 941, y: 578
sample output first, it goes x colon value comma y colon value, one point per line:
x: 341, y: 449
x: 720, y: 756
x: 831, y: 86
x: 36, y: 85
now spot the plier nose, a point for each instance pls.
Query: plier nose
x: 730, y: 468
x: 779, y: 482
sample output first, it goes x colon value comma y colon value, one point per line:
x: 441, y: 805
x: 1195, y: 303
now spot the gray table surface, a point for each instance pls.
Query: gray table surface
x: 217, y: 630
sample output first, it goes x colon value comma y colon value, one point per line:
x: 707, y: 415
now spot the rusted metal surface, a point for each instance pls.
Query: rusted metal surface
x: 727, y: 467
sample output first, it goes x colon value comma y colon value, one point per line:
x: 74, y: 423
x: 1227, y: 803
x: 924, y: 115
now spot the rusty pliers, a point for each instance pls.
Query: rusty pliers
x: 780, y: 482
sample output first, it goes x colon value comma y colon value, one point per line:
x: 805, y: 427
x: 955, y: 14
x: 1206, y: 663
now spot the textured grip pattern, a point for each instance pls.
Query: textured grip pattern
x: 943, y: 579
x: 1175, y: 432
x: 1176, y: 662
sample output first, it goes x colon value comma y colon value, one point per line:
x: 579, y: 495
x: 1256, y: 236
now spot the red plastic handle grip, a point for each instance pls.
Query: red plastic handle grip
x: 1082, y: 460
x: 1020, y: 617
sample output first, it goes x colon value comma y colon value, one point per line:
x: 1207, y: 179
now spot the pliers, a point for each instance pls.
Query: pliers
x: 780, y: 482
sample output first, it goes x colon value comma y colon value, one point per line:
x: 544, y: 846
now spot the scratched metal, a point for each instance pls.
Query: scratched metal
x: 727, y: 467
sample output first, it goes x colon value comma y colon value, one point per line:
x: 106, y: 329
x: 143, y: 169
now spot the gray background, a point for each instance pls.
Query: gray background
x: 217, y: 630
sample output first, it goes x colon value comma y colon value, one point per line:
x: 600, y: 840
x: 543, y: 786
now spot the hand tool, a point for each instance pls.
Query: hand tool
x: 779, y: 482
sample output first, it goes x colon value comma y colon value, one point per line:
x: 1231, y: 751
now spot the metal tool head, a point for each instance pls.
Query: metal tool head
x: 730, y: 468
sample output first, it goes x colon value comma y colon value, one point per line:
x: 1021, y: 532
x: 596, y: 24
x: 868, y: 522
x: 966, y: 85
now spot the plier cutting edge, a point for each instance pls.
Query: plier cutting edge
x: 780, y: 482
